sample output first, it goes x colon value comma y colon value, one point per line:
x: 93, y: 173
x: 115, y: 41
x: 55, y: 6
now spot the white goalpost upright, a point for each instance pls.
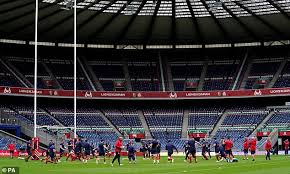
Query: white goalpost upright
x: 75, y: 68
x: 35, y: 69
x: 35, y: 66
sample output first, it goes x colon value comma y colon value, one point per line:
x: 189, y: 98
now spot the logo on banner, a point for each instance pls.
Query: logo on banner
x: 224, y: 93
x: 53, y: 93
x: 139, y: 94
x: 88, y: 94
x: 173, y: 95
x: 7, y: 90
x: 257, y: 92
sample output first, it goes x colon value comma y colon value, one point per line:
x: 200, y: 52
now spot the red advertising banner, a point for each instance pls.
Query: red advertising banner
x: 263, y: 134
x: 133, y: 136
x: 281, y: 134
x: 284, y: 134
x: 17, y: 91
x: 6, y: 153
x: 196, y: 135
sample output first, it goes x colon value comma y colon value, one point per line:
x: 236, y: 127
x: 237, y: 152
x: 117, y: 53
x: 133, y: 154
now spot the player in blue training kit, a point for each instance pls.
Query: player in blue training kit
x: 87, y: 151
x: 204, y: 149
x: 61, y: 149
x: 102, y: 152
x: 154, y: 146
x: 28, y: 150
x: 170, y: 148
x: 186, y: 147
x: 216, y: 146
x: 192, y: 150
x: 70, y: 149
x: 78, y: 149
x: 131, y: 153
x: 52, y: 154
x: 222, y: 150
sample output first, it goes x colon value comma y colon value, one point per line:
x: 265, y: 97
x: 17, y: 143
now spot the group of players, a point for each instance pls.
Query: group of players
x: 83, y: 150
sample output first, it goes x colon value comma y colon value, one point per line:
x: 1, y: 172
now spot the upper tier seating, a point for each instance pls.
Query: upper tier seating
x: 158, y: 118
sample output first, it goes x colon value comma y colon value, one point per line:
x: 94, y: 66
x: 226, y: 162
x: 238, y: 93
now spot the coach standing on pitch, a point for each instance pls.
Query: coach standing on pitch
x: 118, y: 148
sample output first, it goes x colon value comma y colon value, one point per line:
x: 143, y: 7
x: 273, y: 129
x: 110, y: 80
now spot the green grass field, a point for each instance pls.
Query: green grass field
x: 278, y: 165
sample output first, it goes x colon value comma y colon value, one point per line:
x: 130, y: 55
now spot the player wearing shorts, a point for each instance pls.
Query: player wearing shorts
x: 143, y: 150
x: 108, y: 151
x: 131, y: 152
x: 170, y: 148
x: 78, y: 149
x: 61, y: 148
x: 246, y: 148
x: 192, y: 150
x: 28, y: 150
x: 51, y: 154
x: 208, y: 144
x: 70, y: 149
x: 253, y: 147
x: 87, y: 151
x: 149, y: 150
x: 216, y: 146
x: 204, y: 149
x: 158, y: 150
x: 228, y: 149
x: 268, y: 147
x: 11, y: 149
x: 286, y: 146
x: 222, y: 150
x: 102, y: 152
x: 186, y: 147
x: 154, y: 153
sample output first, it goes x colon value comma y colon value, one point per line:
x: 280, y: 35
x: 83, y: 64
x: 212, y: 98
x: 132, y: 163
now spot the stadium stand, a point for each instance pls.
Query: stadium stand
x: 125, y: 119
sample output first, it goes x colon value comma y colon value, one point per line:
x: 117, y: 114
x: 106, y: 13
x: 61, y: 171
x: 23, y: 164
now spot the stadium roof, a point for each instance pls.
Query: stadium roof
x: 148, y: 21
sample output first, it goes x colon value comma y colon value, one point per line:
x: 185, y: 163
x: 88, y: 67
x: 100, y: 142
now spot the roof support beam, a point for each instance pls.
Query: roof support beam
x: 22, y: 27
x: 100, y: 30
x: 225, y: 34
x: 151, y: 25
x: 7, y: 1
x: 81, y: 25
x: 16, y: 7
x: 282, y: 35
x: 195, y: 23
x: 249, y: 31
x: 173, y: 24
x: 13, y: 18
x: 125, y: 29
x: 280, y: 9
x: 71, y: 16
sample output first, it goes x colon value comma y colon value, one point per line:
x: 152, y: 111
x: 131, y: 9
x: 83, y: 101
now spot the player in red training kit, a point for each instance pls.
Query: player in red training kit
x: 268, y: 147
x: 11, y: 148
x: 228, y: 148
x: 286, y: 146
x: 246, y: 148
x: 253, y: 148
x: 118, y: 148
